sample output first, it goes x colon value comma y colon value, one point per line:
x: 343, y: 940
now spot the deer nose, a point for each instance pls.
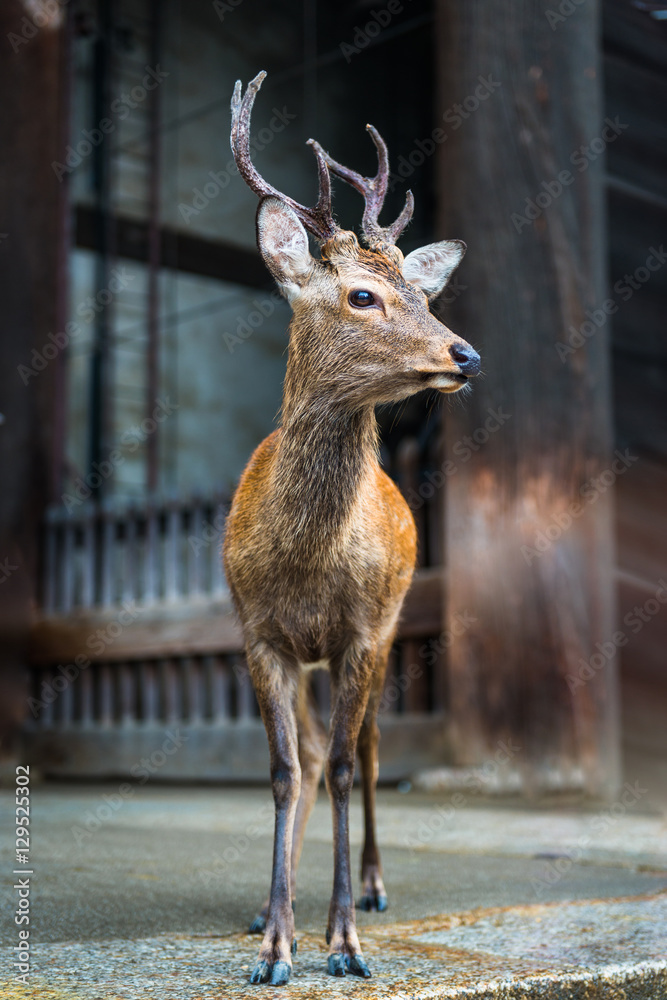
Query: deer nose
x: 466, y: 359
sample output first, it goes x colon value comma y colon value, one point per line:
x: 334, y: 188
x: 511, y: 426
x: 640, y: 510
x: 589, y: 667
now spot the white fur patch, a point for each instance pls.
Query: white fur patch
x: 318, y: 665
x: 443, y: 381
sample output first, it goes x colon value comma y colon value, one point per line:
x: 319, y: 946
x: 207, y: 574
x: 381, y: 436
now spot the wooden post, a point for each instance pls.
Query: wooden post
x: 528, y: 518
x: 31, y: 355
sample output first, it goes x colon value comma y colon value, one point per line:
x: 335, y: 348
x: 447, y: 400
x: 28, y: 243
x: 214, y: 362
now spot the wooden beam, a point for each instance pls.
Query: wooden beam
x: 536, y: 577
x: 178, y: 250
x: 31, y: 354
x: 179, y: 629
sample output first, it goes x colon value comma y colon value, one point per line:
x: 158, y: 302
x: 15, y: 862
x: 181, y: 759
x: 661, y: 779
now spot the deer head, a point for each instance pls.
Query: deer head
x: 362, y: 332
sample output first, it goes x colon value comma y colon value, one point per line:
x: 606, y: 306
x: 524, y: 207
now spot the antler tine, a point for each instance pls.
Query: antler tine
x: 319, y: 219
x: 394, y: 231
x: 323, y: 208
x: 381, y: 179
x: 374, y: 190
x: 390, y: 234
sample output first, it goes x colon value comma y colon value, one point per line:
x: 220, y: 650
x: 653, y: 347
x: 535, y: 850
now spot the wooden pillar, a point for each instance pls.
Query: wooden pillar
x: 31, y: 355
x: 528, y: 519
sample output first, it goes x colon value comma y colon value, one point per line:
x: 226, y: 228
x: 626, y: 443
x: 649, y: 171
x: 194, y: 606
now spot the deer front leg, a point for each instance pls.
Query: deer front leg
x: 352, y: 685
x: 312, y: 749
x: 276, y: 693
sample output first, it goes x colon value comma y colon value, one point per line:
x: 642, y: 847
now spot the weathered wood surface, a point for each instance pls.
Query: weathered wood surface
x: 538, y: 615
x: 640, y: 516
x: 235, y: 751
x: 32, y: 293
x: 188, y: 627
x: 167, y: 629
x: 642, y: 556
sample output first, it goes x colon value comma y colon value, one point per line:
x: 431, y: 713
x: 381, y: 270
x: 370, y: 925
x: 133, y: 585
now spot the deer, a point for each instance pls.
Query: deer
x: 320, y: 546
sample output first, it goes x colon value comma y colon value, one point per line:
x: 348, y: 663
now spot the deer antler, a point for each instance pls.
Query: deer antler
x: 319, y: 219
x: 374, y: 190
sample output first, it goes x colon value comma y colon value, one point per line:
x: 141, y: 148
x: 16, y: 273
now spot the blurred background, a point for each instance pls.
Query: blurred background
x: 144, y: 348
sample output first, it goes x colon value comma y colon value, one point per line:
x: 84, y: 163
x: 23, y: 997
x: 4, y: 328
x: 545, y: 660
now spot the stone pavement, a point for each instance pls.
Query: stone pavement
x: 148, y: 895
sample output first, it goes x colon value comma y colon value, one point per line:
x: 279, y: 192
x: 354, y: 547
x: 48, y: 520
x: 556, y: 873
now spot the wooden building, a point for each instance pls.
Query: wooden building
x: 144, y: 351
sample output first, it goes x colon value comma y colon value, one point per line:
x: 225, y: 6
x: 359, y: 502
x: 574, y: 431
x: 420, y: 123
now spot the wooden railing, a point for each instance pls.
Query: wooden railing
x: 159, y: 552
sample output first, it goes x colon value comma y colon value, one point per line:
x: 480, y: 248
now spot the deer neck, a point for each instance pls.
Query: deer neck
x: 325, y: 456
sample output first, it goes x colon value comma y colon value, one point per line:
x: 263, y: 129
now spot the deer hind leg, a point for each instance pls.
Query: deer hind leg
x: 351, y: 684
x: 373, y: 893
x: 312, y: 749
x: 276, y: 691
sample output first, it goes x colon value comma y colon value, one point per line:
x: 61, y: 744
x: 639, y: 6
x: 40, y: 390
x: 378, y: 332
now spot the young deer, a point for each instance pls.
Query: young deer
x: 320, y: 545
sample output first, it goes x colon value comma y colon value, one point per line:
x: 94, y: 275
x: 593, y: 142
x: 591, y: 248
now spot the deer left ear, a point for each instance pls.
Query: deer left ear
x: 431, y: 267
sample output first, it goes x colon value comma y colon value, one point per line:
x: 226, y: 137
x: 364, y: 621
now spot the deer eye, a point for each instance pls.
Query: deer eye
x: 361, y: 298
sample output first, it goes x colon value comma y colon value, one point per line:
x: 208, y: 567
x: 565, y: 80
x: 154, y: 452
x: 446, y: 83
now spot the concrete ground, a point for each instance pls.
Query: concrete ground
x: 150, y: 893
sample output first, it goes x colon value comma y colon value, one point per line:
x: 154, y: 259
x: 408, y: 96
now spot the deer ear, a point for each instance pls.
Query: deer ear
x: 431, y: 267
x: 283, y: 243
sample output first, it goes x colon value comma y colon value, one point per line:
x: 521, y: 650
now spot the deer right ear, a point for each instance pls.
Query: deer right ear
x: 283, y: 243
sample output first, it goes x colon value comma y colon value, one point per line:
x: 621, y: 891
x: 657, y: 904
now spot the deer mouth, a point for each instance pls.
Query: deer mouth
x: 446, y: 381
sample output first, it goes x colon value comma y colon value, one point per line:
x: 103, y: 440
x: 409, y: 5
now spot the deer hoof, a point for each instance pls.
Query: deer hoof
x: 374, y: 901
x: 261, y: 973
x: 258, y: 925
x: 339, y: 964
x: 357, y: 966
x: 336, y: 965
x: 277, y: 974
x: 280, y: 973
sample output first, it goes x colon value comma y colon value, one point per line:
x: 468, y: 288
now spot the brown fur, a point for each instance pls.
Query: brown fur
x: 319, y: 553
